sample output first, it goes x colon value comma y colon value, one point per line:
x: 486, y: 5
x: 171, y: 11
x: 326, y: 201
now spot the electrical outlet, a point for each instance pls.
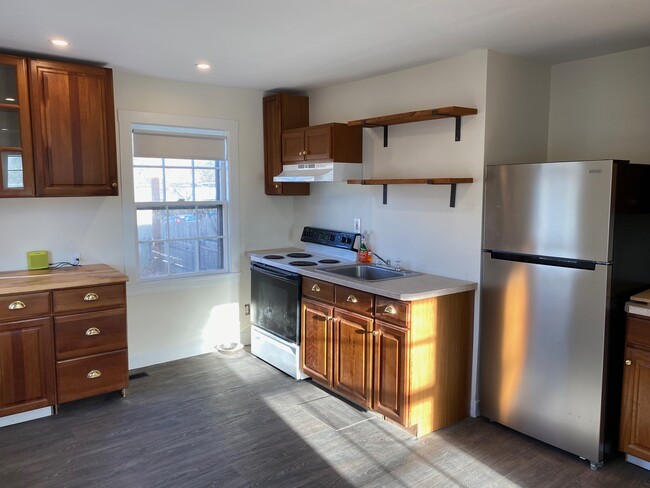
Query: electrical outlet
x: 247, y: 309
x: 357, y: 225
x: 76, y: 260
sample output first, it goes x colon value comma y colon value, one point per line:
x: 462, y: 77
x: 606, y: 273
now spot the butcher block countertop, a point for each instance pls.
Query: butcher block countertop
x: 52, y: 279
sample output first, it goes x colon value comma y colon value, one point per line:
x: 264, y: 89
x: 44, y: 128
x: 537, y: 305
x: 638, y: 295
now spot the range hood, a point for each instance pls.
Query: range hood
x: 311, y: 172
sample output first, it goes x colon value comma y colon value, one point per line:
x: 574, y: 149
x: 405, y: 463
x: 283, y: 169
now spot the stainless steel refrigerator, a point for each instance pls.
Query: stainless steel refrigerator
x: 564, y: 246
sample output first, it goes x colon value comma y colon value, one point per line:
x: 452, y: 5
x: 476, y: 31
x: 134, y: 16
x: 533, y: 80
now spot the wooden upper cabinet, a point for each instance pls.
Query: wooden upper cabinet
x: 281, y: 112
x: 74, y: 129
x: 327, y: 142
x: 16, y: 164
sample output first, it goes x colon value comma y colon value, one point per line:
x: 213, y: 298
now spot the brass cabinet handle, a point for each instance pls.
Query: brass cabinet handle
x: 114, y: 185
x: 375, y: 333
x: 352, y: 299
x: 628, y: 362
x: 93, y: 331
x: 390, y: 309
x: 315, y: 288
x: 91, y: 297
x: 17, y: 305
x: 95, y: 373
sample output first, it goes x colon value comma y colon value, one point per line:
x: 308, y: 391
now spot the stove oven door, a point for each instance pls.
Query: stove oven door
x: 275, y: 301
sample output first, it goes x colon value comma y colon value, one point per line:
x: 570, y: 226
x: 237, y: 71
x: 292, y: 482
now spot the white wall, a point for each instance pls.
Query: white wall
x: 417, y: 226
x: 516, y: 119
x: 165, y: 322
x: 600, y: 108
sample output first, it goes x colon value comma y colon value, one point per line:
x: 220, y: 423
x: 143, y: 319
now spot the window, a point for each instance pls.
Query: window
x: 179, y: 198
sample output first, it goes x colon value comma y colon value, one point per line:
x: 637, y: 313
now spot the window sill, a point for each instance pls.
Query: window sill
x: 181, y: 283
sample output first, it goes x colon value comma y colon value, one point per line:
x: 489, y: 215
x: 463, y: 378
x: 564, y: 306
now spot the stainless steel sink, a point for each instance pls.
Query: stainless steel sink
x: 367, y: 272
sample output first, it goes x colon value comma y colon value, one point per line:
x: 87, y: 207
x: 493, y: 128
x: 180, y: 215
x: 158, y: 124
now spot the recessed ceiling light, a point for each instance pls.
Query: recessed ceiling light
x: 59, y: 42
x: 202, y: 66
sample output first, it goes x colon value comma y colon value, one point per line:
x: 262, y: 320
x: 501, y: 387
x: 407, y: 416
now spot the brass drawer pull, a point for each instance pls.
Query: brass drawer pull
x: 390, y: 309
x: 91, y: 297
x: 315, y: 288
x: 95, y: 373
x: 352, y: 299
x: 93, y: 331
x: 17, y: 305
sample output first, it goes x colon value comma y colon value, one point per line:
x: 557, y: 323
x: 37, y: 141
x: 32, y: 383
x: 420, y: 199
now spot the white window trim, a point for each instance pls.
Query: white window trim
x: 126, y: 120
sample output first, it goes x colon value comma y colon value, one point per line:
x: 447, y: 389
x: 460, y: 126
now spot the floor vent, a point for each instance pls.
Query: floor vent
x: 135, y: 376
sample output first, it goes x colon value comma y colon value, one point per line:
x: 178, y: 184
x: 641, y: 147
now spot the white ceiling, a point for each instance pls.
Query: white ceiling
x: 304, y: 44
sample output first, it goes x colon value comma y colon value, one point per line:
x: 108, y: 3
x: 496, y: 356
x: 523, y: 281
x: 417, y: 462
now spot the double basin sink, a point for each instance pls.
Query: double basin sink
x: 367, y: 272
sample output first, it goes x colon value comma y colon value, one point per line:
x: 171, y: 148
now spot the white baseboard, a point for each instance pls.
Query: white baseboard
x: 475, y: 408
x: 25, y: 416
x: 150, y: 358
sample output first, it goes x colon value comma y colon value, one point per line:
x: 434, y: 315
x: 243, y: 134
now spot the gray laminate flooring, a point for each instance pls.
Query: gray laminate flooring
x: 234, y: 421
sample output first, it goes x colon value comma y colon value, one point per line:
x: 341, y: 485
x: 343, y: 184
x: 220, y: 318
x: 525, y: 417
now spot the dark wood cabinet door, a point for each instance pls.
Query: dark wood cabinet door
x: 74, y: 129
x: 26, y: 366
x: 316, y: 341
x: 293, y: 146
x: 282, y: 112
x: 318, y: 143
x: 352, y: 358
x: 16, y: 162
x: 635, y: 415
x: 391, y: 370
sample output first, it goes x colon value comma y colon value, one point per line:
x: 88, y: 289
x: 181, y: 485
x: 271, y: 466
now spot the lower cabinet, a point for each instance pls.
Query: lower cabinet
x: 409, y: 361
x: 635, y: 411
x: 62, y: 343
x: 26, y: 366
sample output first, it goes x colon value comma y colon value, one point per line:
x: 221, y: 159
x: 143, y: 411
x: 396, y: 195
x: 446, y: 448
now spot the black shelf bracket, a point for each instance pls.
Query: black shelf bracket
x: 452, y: 193
x: 366, y: 124
x: 457, y: 129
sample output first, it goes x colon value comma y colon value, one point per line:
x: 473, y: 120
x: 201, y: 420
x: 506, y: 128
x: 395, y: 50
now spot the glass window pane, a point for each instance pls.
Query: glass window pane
x: 12, y: 171
x: 184, y: 163
x: 147, y: 161
x: 152, y: 224
x: 8, y: 84
x: 153, y: 259
x: 202, y: 163
x: 182, y: 257
x: 207, y: 188
x: 210, y: 222
x: 178, y: 185
x: 182, y: 223
x: 147, y: 184
x: 9, y: 128
x: 211, y: 254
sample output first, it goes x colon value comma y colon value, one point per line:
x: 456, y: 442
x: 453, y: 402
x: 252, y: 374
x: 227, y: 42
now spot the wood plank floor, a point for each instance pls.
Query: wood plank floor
x: 234, y: 421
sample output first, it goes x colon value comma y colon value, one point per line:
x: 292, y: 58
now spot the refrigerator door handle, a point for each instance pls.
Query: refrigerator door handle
x: 545, y: 260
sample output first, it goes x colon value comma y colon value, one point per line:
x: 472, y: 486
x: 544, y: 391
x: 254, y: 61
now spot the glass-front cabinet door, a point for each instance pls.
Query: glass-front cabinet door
x: 17, y: 175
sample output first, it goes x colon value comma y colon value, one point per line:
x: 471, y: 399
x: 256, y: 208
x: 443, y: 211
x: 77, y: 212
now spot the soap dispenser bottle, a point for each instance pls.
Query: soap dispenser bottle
x: 363, y: 255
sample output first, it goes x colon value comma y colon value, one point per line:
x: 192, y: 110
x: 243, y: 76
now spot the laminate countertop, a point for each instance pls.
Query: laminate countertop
x: 409, y: 288
x: 27, y: 281
x: 639, y: 304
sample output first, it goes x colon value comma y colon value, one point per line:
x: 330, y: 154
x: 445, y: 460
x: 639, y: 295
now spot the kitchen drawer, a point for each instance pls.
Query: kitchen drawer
x: 392, y: 311
x: 89, y: 298
x: 320, y: 290
x: 90, y: 333
x: 638, y: 331
x: 355, y: 300
x: 91, y: 375
x: 24, y: 305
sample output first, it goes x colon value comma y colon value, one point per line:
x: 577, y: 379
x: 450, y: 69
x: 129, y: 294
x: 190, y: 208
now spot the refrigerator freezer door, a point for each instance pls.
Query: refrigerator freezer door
x: 550, y: 209
x: 543, y: 339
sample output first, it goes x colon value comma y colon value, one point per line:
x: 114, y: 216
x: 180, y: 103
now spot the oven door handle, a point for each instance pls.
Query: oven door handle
x: 276, y: 273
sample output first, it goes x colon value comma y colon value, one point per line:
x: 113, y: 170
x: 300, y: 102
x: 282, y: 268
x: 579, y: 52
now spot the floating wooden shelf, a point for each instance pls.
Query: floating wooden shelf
x: 416, y: 181
x: 417, y: 116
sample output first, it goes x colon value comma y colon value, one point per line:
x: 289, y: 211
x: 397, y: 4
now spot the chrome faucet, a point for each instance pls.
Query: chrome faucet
x: 385, y: 261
